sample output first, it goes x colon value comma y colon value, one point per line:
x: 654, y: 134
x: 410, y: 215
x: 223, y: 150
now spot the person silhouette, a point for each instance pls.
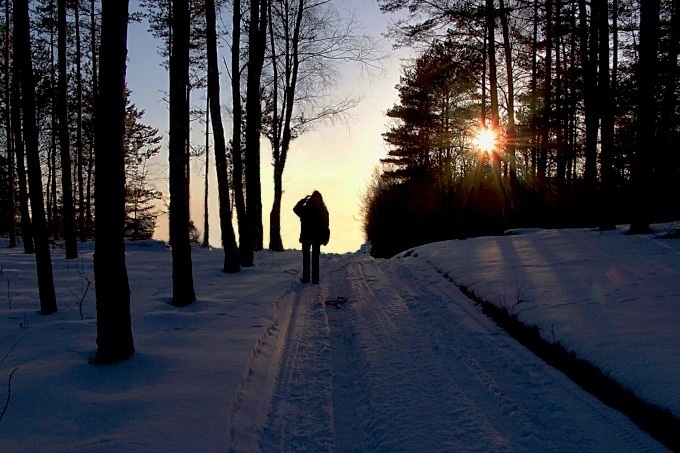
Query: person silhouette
x: 314, y: 233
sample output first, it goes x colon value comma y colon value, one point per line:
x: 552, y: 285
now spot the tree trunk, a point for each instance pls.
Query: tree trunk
x: 64, y: 148
x: 641, y: 172
x: 275, y: 242
x: 245, y: 251
x: 11, y: 212
x: 18, y: 142
x: 511, y: 133
x: 547, y: 96
x: 589, y: 99
x: 51, y: 189
x: 231, y: 255
x: 23, y: 59
x: 206, y: 180
x: 95, y: 93
x: 668, y: 162
x: 534, y: 92
x: 114, y: 332
x: 257, y: 43
x: 608, y: 175
x: 79, y: 129
x: 493, y: 81
x: 182, y: 275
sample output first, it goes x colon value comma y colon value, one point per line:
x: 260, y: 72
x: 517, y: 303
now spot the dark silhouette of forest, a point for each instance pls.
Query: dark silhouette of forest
x: 582, y: 101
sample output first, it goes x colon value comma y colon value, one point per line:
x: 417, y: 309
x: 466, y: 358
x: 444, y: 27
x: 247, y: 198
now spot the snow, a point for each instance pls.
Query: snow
x: 383, y: 355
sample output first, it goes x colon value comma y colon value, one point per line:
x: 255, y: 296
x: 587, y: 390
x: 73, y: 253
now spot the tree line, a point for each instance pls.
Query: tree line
x: 580, y: 96
x: 73, y: 140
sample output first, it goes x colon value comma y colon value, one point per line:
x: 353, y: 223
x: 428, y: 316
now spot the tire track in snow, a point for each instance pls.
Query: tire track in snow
x: 300, y: 415
x: 417, y: 366
x: 408, y: 363
x: 284, y: 397
x: 564, y: 406
x: 408, y: 395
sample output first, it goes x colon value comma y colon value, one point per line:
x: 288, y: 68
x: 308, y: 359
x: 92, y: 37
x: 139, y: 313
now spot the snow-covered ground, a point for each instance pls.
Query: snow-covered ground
x: 383, y: 355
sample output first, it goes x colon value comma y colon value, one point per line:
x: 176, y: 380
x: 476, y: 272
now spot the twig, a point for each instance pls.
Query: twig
x: 11, y: 276
x: 337, y: 302
x: 82, y: 274
x: 9, y: 393
x: 10, y: 350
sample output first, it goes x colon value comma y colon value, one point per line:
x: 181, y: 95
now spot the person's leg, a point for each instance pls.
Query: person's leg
x: 305, y: 262
x: 315, y: 262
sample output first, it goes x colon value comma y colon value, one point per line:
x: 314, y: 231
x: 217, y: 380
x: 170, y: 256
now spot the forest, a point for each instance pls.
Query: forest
x: 71, y: 139
x: 513, y: 113
x: 545, y: 113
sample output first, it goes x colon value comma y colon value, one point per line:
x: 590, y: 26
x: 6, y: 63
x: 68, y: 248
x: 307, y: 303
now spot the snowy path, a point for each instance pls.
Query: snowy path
x: 407, y: 363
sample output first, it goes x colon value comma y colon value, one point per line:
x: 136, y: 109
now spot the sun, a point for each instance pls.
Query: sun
x: 486, y: 140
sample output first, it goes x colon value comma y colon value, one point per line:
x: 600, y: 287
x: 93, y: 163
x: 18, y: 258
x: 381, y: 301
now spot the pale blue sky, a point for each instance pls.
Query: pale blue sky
x: 336, y: 160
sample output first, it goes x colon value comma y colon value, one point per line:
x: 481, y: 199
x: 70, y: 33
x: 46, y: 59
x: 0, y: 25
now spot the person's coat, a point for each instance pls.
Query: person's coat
x: 313, y: 219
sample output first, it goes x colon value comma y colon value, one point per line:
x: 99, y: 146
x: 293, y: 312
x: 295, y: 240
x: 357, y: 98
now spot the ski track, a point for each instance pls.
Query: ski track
x: 407, y: 363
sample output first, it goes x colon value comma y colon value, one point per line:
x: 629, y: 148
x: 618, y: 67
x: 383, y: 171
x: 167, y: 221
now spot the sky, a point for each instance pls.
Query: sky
x: 382, y: 355
x: 335, y: 159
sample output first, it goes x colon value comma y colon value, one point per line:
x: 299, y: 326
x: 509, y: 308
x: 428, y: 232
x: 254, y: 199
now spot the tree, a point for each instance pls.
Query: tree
x: 80, y: 157
x: 588, y: 54
x: 245, y: 245
x: 257, y: 43
x: 161, y: 21
x: 607, y: 172
x: 231, y: 256
x: 493, y: 79
x: 182, y: 278
x: 511, y: 132
x: 23, y: 61
x: 307, y: 39
x: 19, y: 150
x: 141, y: 143
x: 64, y: 148
x: 431, y: 129
x: 646, y: 120
x: 10, y: 201
x: 114, y: 326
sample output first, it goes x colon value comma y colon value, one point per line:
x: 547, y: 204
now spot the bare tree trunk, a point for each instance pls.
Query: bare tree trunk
x: 493, y: 80
x: 182, y: 275
x: 64, y: 148
x: 206, y: 183
x: 641, y: 172
x: 18, y: 146
x: 257, y: 42
x: 275, y: 242
x: 534, y: 92
x: 79, y: 129
x: 23, y: 59
x: 51, y: 189
x: 511, y: 133
x: 668, y: 162
x: 231, y: 255
x: 95, y: 93
x: 589, y: 69
x: 547, y: 96
x: 114, y: 330
x: 245, y: 251
x: 607, y: 181
x: 11, y: 212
